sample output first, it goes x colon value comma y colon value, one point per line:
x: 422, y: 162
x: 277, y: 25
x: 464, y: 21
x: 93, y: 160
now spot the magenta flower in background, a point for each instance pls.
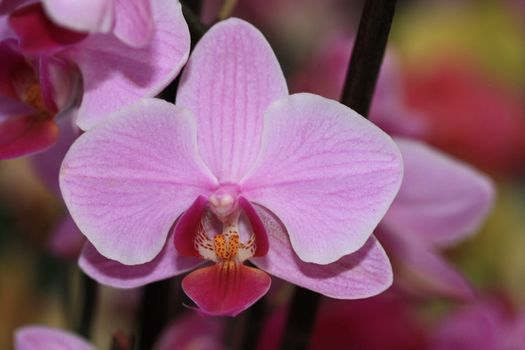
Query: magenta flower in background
x: 295, y: 183
x: 441, y: 202
x: 125, y: 51
x: 481, y: 325
x: 39, y: 337
x: 192, y: 331
x: 354, y: 324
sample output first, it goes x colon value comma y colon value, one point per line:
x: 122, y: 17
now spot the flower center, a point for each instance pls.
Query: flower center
x: 29, y: 91
x: 33, y: 97
x: 225, y: 246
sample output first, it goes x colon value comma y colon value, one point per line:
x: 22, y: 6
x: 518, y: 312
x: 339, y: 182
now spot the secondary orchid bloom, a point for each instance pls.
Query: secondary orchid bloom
x: 131, y: 21
x: 482, y: 325
x: 48, y: 69
x: 38, y: 337
x: 288, y: 182
x: 442, y: 200
x: 191, y: 331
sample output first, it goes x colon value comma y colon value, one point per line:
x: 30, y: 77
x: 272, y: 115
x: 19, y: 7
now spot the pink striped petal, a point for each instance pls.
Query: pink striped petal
x: 126, y: 182
x: 362, y: 274
x: 426, y: 270
x: 226, y: 290
x: 25, y: 135
x: 326, y: 172
x: 39, y: 338
x: 441, y: 200
x: 129, y: 74
x: 166, y: 264
x: 82, y: 15
x: 133, y: 22
x: 38, y: 34
x: 230, y: 80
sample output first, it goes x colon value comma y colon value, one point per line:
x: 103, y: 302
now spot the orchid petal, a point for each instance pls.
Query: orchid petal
x: 362, y: 274
x: 261, y: 236
x: 129, y: 74
x: 133, y: 22
x: 326, y: 172
x: 51, y: 38
x: 60, y: 83
x: 445, y: 212
x: 37, y: 338
x: 81, y: 15
x: 10, y: 107
x: 7, y: 6
x: 5, y: 31
x: 13, y: 65
x: 188, y: 225
x: 230, y: 80
x: 26, y: 135
x: 166, y: 264
x: 425, y: 269
x: 126, y: 182
x: 477, y: 326
x: 226, y: 289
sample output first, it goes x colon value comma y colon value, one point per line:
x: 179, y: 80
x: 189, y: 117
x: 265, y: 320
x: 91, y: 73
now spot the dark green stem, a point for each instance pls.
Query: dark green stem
x: 367, y: 54
x: 194, y: 5
x: 197, y: 29
x: 253, y: 323
x: 154, y: 313
x: 88, y: 305
x: 301, y: 319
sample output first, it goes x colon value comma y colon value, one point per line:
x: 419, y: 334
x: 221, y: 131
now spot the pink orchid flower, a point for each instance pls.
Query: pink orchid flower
x: 441, y: 202
x: 189, y: 331
x: 48, y: 69
x: 39, y: 337
x: 294, y: 183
